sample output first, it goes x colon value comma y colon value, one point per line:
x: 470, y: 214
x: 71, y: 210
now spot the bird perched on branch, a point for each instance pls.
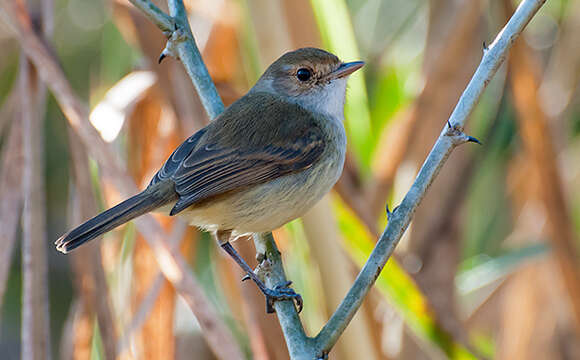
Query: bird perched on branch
x: 263, y: 162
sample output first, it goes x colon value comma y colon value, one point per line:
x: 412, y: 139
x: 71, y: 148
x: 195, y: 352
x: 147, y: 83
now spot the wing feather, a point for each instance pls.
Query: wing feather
x: 234, y: 170
x: 235, y: 150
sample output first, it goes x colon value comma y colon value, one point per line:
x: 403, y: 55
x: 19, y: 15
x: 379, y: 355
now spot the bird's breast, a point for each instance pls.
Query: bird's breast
x: 267, y: 206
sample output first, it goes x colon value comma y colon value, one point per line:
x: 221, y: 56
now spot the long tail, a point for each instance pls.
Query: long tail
x: 144, y: 202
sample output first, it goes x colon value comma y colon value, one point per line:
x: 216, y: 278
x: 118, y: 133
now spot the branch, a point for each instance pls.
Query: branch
x: 447, y: 141
x: 158, y: 17
x: 181, y: 44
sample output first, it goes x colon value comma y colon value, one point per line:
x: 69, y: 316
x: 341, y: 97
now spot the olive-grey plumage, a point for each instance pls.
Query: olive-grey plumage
x: 263, y: 162
x: 235, y: 154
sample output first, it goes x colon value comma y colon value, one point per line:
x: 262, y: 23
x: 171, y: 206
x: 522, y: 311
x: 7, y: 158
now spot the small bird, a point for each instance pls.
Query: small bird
x: 266, y: 160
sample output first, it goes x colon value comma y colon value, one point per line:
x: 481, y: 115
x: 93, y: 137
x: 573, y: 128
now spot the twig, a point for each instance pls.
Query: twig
x: 296, y: 340
x: 181, y: 44
x: 158, y: 17
x: 171, y: 263
x: 399, y: 220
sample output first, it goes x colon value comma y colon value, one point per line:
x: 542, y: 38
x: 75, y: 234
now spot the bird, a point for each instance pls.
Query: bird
x: 266, y: 160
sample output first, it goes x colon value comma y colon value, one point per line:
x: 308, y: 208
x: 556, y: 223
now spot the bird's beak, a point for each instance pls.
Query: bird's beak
x: 345, y: 69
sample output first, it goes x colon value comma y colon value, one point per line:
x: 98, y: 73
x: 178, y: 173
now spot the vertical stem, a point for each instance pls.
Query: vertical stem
x: 35, y: 313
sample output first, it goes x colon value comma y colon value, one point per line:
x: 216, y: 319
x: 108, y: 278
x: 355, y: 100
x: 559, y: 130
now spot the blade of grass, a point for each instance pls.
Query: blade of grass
x: 338, y: 36
x: 398, y: 288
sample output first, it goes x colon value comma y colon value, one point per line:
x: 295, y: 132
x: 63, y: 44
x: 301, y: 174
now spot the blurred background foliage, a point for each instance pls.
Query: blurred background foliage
x: 488, y: 268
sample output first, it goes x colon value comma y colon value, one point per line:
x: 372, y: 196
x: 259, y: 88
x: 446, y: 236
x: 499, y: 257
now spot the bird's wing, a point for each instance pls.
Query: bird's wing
x: 232, y: 155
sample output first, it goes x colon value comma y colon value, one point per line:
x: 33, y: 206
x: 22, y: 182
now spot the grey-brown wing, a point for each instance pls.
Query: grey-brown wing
x: 210, y: 171
x: 177, y: 157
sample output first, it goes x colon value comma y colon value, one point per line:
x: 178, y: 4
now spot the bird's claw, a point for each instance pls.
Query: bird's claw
x: 282, y: 292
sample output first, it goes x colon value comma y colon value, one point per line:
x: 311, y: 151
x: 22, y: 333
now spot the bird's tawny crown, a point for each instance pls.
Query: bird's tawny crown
x: 303, y: 70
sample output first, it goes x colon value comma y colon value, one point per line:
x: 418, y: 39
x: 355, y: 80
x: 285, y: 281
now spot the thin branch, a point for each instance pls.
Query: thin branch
x: 181, y: 43
x: 158, y: 17
x: 447, y: 141
x: 171, y: 263
x: 298, y: 343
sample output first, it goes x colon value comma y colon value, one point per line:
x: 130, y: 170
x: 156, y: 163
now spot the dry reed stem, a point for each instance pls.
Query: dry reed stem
x: 87, y: 261
x: 535, y: 132
x: 35, y: 313
x: 11, y: 199
x: 173, y: 266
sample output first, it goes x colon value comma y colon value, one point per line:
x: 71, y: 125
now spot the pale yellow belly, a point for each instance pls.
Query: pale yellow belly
x: 268, y: 206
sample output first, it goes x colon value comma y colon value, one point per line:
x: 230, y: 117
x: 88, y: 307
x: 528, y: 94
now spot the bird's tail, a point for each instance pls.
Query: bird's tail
x: 144, y: 202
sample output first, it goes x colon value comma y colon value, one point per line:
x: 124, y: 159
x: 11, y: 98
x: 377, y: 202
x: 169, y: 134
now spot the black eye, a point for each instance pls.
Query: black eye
x: 303, y: 74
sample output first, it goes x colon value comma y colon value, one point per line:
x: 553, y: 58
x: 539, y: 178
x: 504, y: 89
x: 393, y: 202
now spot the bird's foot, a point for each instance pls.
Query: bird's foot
x: 280, y: 293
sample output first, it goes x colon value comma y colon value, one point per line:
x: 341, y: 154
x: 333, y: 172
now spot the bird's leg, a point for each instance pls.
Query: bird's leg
x: 280, y: 292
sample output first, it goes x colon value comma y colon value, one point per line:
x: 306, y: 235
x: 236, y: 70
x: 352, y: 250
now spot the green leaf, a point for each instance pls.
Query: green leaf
x: 338, y: 36
x: 481, y: 275
x: 97, y: 352
x: 397, y: 287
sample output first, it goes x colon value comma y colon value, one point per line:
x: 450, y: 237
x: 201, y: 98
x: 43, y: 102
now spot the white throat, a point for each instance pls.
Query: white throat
x: 327, y: 100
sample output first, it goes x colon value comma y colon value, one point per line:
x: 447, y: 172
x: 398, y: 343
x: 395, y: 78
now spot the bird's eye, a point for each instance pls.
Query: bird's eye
x: 303, y: 74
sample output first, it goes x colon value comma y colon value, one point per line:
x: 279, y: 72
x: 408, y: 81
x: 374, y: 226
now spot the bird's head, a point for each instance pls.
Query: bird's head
x: 312, y: 78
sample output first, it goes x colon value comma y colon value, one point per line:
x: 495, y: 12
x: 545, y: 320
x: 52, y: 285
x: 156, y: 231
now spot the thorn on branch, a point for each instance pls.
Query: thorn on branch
x: 161, y: 57
x: 389, y: 212
x: 485, y: 47
x: 474, y: 140
x: 173, y: 38
x: 458, y: 136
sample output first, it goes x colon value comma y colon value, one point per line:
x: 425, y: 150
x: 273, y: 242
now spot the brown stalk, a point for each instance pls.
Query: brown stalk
x: 90, y: 278
x: 535, y: 133
x: 171, y: 263
x: 560, y: 80
x: 526, y: 308
x: 11, y: 200
x: 443, y: 84
x: 35, y: 313
x: 453, y: 50
x: 148, y: 146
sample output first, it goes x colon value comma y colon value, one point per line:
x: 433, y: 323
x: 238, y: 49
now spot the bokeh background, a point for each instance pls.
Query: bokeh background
x: 488, y: 268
